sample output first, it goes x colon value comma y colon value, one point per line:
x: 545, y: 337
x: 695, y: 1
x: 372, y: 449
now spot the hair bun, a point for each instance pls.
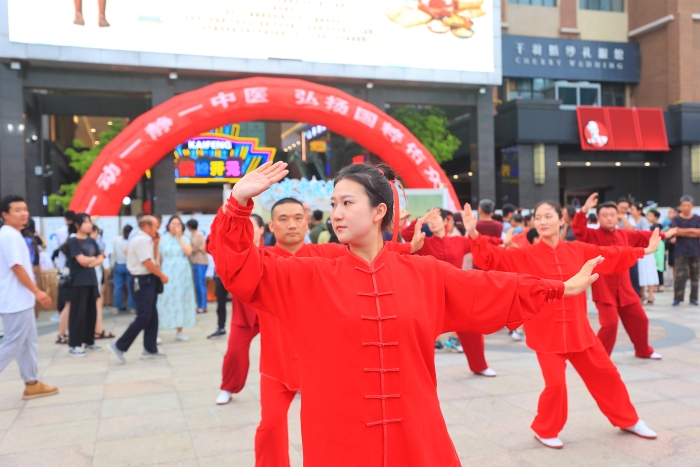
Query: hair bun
x: 387, y: 171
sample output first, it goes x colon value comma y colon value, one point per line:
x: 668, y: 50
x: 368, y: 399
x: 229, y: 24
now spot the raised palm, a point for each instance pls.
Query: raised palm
x: 259, y: 180
x: 469, y: 220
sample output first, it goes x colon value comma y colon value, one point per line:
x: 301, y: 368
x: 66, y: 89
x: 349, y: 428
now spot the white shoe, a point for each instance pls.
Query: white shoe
x: 159, y: 341
x: 642, y: 430
x: 223, y: 398
x: 655, y: 356
x: 487, y: 372
x: 181, y: 337
x: 516, y: 336
x: 76, y: 351
x: 554, y: 443
x: 55, y: 318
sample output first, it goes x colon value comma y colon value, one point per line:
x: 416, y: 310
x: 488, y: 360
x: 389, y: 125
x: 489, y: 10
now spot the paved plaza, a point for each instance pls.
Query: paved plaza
x: 163, y: 412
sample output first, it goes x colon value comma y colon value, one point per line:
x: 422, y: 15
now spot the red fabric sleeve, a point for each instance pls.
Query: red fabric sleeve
x: 484, y: 302
x: 617, y: 259
x: 489, y: 257
x: 408, y: 231
x: 638, y: 238
x: 400, y: 248
x: 580, y: 228
x: 327, y: 250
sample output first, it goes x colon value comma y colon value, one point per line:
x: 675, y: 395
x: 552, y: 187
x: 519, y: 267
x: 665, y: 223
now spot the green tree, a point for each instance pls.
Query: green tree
x: 81, y: 158
x: 429, y: 125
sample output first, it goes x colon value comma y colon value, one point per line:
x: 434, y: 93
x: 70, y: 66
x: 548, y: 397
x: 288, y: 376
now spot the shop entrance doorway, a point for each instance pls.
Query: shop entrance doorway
x: 154, y: 134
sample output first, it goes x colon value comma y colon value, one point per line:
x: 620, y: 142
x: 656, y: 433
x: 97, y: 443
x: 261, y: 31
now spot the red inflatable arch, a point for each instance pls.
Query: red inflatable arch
x: 154, y: 134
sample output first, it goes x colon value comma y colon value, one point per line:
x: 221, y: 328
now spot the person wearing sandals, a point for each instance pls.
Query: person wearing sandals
x: 100, y: 333
x: 84, y: 256
x: 200, y: 263
x: 176, y: 305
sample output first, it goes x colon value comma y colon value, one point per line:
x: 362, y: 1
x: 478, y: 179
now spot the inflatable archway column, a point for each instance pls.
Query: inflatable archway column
x: 154, y: 134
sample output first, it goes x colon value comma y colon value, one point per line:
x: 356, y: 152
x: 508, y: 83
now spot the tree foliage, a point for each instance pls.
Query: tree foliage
x: 81, y: 159
x: 429, y: 125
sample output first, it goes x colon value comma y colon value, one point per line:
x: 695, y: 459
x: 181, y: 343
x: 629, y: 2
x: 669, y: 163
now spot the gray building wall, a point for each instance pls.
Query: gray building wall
x: 13, y: 164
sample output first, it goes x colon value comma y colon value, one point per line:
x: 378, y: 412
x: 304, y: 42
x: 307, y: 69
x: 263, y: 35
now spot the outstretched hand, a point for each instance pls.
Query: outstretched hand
x: 418, y: 236
x: 583, y: 278
x: 469, y: 220
x: 653, y: 242
x: 256, y: 182
x: 591, y: 202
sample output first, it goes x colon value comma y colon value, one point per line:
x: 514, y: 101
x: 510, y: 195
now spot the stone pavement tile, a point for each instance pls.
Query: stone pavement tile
x: 190, y: 359
x: 129, y: 426
x: 631, y: 372
x: 237, y: 458
x: 214, y: 415
x: 76, y: 366
x: 676, y: 367
x: 182, y: 463
x: 458, y: 390
x: 588, y: 424
x: 514, y: 435
x: 144, y: 450
x: 86, y: 379
x: 583, y: 454
x: 11, y: 397
x: 503, y: 459
x: 669, y: 414
x: 526, y: 401
x: 670, y: 449
x: 501, y: 385
x: 138, y: 388
x: 150, y: 403
x: 53, y: 414
x: 203, y: 368
x: 470, y: 443
x: 693, y: 431
x: 223, y: 440
x: 694, y: 401
x: 671, y: 388
x: 73, y: 456
x: 190, y: 348
x: 138, y: 372
x: 7, y: 417
x: 69, y: 395
x: 196, y: 382
x: 49, y: 436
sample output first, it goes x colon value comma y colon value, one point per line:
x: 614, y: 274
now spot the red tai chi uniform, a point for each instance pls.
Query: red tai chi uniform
x: 613, y: 293
x: 279, y: 372
x: 370, y: 399
x: 452, y: 250
x: 562, y: 331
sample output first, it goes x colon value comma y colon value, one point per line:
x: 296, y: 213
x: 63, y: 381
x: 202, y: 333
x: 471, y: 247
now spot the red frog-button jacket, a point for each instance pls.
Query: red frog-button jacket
x: 370, y: 399
x: 617, y: 286
x: 562, y: 326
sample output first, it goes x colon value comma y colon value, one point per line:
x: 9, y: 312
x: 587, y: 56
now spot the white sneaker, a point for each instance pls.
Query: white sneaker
x: 487, y: 372
x: 76, y: 352
x: 516, y: 336
x: 55, y: 318
x: 642, y: 430
x: 94, y: 348
x: 655, y: 356
x: 181, y: 337
x: 554, y: 443
x: 159, y: 341
x: 223, y: 398
x: 146, y: 355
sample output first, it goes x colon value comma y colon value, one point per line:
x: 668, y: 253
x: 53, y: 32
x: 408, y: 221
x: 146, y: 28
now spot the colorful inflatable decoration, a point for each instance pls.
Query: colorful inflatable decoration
x: 154, y: 134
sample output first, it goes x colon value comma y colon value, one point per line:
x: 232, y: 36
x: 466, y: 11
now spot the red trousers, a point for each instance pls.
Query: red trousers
x: 473, y: 345
x: 272, y: 435
x: 237, y: 359
x: 635, y: 321
x: 600, y: 376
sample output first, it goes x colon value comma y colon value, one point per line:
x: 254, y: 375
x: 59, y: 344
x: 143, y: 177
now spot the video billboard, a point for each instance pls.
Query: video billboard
x: 442, y: 35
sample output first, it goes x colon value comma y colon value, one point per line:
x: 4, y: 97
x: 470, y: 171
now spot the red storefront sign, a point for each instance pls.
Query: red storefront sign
x: 621, y: 129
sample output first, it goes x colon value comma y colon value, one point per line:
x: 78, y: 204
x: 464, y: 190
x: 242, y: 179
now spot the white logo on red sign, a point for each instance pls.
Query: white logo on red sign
x: 596, y: 134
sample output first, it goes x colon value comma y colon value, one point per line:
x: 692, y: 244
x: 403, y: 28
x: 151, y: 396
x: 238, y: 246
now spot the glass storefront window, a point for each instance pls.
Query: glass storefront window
x: 535, y: 2
x: 568, y: 96
x: 613, y: 95
x: 603, y: 5
x: 589, y: 96
x: 527, y: 88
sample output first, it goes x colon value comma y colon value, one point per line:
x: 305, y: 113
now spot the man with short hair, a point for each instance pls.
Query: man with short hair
x: 613, y: 293
x: 486, y: 225
x: 686, y: 252
x: 18, y: 292
x: 146, y: 279
x: 319, y: 226
x: 508, y: 211
x: 626, y: 221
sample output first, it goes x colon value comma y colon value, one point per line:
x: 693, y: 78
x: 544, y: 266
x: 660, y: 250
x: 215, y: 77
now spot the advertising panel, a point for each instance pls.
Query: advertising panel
x: 455, y: 35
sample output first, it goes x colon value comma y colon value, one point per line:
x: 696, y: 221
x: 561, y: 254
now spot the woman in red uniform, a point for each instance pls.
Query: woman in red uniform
x: 451, y: 249
x: 370, y: 399
x: 562, y: 331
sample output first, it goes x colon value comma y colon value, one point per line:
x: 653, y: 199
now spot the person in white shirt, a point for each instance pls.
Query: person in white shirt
x: 120, y: 274
x: 19, y: 292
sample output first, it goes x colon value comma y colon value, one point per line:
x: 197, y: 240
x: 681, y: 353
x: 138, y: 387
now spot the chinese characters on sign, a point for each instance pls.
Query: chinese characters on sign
x: 219, y: 156
x: 534, y: 57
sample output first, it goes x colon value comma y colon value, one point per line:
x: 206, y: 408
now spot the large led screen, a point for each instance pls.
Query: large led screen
x: 454, y: 35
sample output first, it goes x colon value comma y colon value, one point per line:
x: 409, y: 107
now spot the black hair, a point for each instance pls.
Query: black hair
x: 158, y: 217
x: 318, y: 215
x: 258, y: 220
x: 687, y: 198
x: 656, y: 214
x: 497, y: 217
x: 31, y: 226
x: 126, y: 231
x: 517, y: 218
x: 79, y: 219
x: 487, y: 206
x: 556, y: 206
x: 9, y: 199
x: 607, y: 204
x: 69, y: 216
x: 592, y: 218
x: 459, y: 223
x: 570, y: 211
x: 285, y: 201
x: 639, y: 206
x: 527, y: 218
x: 140, y: 215
x: 167, y: 226
x: 623, y: 199
x: 444, y: 213
x: 532, y: 235
x: 508, y: 208
x: 377, y: 184
x: 192, y: 224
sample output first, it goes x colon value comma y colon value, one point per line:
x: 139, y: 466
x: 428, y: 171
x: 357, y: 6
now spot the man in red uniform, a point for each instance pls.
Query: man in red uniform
x: 279, y: 373
x: 613, y: 293
x: 452, y: 249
